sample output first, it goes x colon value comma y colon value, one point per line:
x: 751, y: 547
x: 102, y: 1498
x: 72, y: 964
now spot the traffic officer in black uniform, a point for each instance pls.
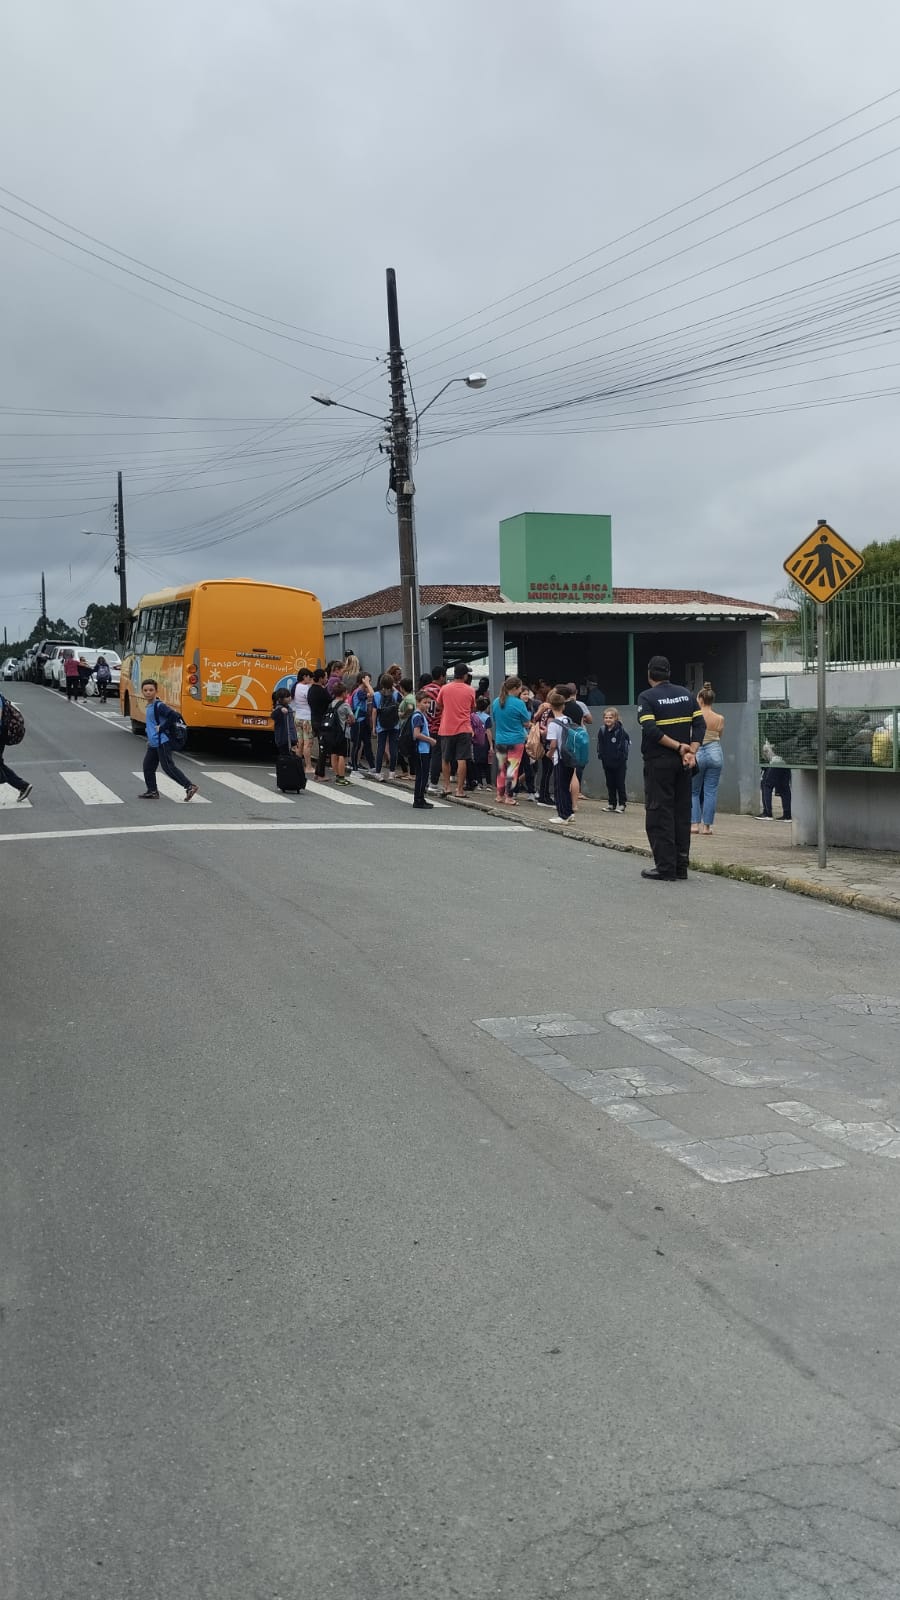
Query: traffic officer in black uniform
x: 672, y: 731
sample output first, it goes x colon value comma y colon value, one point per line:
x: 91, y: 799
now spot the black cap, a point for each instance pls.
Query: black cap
x: 658, y: 667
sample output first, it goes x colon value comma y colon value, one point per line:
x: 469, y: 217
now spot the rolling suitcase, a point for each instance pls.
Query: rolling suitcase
x: 290, y: 772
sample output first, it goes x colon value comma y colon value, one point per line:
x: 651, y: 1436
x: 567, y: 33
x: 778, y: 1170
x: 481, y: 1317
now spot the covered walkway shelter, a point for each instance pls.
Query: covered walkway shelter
x: 603, y: 647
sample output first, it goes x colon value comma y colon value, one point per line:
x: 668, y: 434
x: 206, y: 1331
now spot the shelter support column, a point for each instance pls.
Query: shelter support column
x: 496, y: 633
x: 631, y: 683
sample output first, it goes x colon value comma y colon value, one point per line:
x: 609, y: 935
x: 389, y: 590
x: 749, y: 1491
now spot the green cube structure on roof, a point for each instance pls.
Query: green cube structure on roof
x: 550, y: 555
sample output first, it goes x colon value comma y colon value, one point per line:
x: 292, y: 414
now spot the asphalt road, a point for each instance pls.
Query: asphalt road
x: 313, y: 1285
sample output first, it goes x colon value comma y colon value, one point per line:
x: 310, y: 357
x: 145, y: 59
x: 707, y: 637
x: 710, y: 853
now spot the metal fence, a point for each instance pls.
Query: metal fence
x: 862, y: 626
x: 858, y: 738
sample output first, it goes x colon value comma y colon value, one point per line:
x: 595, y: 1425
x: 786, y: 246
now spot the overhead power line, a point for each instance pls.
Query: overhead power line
x: 206, y: 295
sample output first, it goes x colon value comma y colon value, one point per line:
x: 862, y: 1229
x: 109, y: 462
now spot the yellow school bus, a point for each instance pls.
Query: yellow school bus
x: 219, y: 649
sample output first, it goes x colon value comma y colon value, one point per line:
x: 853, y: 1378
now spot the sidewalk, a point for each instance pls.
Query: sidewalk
x: 740, y: 847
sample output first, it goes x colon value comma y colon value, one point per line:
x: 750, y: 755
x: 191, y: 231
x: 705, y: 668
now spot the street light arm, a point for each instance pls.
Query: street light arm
x: 475, y: 380
x: 326, y: 400
x: 438, y: 395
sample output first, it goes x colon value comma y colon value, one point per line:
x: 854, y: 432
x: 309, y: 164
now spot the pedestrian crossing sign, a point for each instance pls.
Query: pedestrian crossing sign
x: 823, y: 563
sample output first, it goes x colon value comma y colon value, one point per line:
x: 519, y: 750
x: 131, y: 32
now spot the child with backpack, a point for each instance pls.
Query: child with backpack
x: 386, y: 715
x: 424, y: 744
x: 566, y: 746
x: 336, y: 725
x: 165, y: 733
x: 361, y: 736
x: 613, y: 745
x: 12, y: 731
x: 102, y: 678
x: 482, y: 744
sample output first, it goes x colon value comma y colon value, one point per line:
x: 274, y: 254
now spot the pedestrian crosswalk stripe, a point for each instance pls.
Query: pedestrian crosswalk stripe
x: 90, y: 791
x: 393, y: 790
x: 254, y: 791
x: 9, y: 797
x: 329, y: 792
x: 172, y: 790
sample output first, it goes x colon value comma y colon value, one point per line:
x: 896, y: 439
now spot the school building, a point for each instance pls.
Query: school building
x: 556, y: 615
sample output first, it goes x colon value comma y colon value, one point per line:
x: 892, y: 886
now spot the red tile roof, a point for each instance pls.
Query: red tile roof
x: 384, y: 601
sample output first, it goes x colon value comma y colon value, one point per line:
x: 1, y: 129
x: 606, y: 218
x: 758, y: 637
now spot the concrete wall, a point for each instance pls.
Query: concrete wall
x: 875, y: 686
x: 862, y: 809
x: 377, y: 643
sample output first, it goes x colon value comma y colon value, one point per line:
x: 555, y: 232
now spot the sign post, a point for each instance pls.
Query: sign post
x: 822, y: 565
x: 822, y: 736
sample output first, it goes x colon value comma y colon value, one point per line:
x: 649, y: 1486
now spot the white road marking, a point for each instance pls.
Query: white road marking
x: 172, y: 790
x: 110, y: 718
x: 90, y: 791
x: 393, y: 791
x: 267, y: 827
x: 328, y: 792
x: 8, y: 798
x: 253, y: 791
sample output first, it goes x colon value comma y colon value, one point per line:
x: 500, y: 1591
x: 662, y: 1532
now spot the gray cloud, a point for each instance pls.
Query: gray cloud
x: 281, y: 155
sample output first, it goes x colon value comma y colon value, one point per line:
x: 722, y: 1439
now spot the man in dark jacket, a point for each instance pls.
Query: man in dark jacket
x: 672, y: 731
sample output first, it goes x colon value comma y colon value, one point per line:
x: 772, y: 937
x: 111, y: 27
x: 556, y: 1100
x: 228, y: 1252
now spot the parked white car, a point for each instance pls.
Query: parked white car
x: 9, y: 668
x: 55, y: 668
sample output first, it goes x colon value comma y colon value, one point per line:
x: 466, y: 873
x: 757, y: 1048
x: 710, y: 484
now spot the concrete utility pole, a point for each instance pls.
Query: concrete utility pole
x: 120, y: 562
x: 404, y: 489
x: 44, y: 622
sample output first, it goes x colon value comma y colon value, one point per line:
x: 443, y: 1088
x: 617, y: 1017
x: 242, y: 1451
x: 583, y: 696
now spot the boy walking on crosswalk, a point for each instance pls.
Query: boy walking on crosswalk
x: 159, y: 720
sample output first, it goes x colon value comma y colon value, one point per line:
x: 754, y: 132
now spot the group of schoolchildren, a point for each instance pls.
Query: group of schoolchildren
x: 446, y: 737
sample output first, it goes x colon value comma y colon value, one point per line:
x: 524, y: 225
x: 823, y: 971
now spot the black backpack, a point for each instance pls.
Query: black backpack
x: 333, y: 732
x: 406, y: 743
x: 389, y: 712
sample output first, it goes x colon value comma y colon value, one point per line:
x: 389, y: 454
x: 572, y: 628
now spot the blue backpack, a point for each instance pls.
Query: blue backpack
x: 576, y: 746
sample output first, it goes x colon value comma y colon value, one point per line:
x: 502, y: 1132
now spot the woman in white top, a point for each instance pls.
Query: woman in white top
x: 300, y: 699
x: 708, y: 769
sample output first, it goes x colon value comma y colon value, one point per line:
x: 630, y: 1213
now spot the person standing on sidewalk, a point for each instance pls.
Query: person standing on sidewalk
x: 613, y: 746
x: 300, y: 707
x: 511, y: 721
x: 424, y: 742
x: 776, y: 779
x: 672, y: 731
x: 456, y: 702
x: 708, y: 771
x: 159, y: 719
x: 6, y: 773
x: 319, y: 700
x: 563, y: 775
x: 433, y: 687
x: 386, y: 719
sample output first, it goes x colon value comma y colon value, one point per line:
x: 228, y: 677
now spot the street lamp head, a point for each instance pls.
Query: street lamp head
x: 476, y: 380
x: 323, y: 399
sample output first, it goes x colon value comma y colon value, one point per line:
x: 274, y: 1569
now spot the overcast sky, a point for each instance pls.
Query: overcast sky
x: 280, y: 155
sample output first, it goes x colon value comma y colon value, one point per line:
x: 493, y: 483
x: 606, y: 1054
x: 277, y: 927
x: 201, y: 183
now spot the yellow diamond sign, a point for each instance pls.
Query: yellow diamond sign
x: 823, y: 563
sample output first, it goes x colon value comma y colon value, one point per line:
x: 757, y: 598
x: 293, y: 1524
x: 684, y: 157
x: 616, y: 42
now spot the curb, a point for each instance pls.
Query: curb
x: 761, y: 877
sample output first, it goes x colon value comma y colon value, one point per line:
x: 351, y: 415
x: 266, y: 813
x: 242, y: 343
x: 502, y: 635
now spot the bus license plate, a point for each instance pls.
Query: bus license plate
x: 255, y: 722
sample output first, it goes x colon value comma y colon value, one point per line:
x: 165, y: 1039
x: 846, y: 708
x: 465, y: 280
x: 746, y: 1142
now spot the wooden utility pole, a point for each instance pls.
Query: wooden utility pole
x: 404, y: 490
